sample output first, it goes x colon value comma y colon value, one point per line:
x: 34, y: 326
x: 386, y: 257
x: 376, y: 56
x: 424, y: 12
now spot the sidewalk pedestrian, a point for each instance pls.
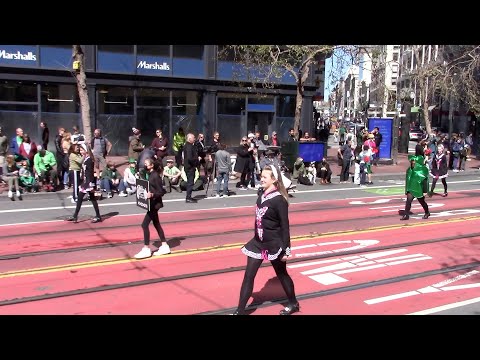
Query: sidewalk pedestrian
x: 271, y: 240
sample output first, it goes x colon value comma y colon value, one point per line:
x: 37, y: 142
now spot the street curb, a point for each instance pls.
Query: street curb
x: 386, y: 176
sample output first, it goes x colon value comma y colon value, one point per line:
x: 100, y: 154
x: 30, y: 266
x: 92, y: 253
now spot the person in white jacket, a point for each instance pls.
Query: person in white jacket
x: 130, y: 177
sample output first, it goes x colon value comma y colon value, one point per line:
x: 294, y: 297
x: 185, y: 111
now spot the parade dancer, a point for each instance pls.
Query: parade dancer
x: 416, y: 182
x: 271, y: 240
x: 88, y: 184
x: 439, y: 170
x: 155, y: 194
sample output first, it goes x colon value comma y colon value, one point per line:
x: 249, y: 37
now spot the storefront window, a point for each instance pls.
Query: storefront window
x: 56, y: 56
x: 153, y: 97
x: 286, y: 105
x: 154, y: 60
x: 186, y: 102
x: 62, y: 98
x: 115, y: 58
x: 115, y: 100
x: 18, y: 96
x: 231, y: 104
x: 188, y: 61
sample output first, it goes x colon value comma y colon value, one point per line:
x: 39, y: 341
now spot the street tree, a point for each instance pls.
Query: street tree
x: 265, y: 64
x: 79, y: 73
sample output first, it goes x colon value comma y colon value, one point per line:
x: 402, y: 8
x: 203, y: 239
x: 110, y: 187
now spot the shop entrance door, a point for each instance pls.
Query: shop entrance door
x: 261, y: 122
x: 151, y: 119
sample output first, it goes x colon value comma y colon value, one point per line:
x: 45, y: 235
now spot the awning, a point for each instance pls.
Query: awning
x: 431, y: 107
x: 415, y: 109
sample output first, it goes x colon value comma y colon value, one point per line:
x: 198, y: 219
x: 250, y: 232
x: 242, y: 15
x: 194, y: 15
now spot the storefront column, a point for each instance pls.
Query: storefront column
x: 210, y: 115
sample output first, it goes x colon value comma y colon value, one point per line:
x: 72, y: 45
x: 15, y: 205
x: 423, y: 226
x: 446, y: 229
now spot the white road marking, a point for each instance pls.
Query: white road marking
x: 446, y: 307
x: 429, y: 289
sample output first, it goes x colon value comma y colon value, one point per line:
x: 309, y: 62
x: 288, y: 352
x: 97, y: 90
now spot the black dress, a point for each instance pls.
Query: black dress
x: 272, y: 229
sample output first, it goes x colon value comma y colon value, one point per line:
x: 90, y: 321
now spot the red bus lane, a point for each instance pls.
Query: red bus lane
x: 317, y: 216
x: 314, y: 276
x: 65, y: 277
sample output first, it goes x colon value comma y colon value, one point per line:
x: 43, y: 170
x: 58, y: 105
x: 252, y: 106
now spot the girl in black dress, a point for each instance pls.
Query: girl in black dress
x: 155, y: 194
x: 271, y: 240
x: 439, y: 170
x: 88, y: 184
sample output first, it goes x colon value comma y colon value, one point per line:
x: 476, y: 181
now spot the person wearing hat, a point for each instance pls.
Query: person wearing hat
x: 372, y: 145
x: 171, y: 176
x: 274, y: 141
x: 44, y: 164
x: 130, y: 176
x: 88, y: 184
x: 135, y: 147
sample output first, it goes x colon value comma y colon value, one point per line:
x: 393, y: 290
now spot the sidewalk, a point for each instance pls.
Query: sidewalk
x: 393, y: 171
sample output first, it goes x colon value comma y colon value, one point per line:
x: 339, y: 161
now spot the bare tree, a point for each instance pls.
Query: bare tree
x: 79, y: 61
x: 266, y: 64
x: 459, y: 74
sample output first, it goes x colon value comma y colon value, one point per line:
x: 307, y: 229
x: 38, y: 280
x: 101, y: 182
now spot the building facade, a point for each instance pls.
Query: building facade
x: 143, y: 86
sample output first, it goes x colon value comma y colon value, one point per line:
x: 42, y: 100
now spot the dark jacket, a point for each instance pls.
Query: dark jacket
x: 157, y: 143
x: 156, y: 187
x: 244, y: 160
x: 190, y: 156
x: 272, y: 211
x: 88, y: 173
x: 45, y: 136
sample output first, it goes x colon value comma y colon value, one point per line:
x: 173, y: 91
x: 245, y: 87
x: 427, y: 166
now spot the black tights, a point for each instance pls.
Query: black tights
x: 253, y: 265
x: 152, y: 216
x: 94, y: 202
x: 421, y: 200
x: 444, y: 182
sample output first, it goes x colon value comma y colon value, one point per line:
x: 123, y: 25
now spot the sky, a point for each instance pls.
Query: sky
x: 332, y: 71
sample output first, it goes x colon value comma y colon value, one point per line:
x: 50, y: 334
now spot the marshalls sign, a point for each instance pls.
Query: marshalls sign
x: 142, y: 191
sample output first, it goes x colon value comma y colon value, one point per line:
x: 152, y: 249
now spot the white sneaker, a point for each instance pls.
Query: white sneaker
x: 144, y: 253
x: 122, y: 193
x: 10, y: 194
x: 18, y: 194
x: 73, y: 201
x: 164, y: 249
x: 130, y: 191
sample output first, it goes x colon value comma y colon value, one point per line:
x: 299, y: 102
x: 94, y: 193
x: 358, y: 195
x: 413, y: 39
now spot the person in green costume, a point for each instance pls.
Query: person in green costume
x: 416, y: 182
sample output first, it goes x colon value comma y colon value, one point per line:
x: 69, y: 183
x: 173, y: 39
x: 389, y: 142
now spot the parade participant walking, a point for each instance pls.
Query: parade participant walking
x: 271, y: 240
x: 439, y: 170
x: 88, y: 184
x: 156, y: 191
x: 416, y: 182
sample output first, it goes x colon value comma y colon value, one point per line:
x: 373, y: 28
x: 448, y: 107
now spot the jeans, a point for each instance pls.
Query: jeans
x: 222, y: 176
x: 107, y: 184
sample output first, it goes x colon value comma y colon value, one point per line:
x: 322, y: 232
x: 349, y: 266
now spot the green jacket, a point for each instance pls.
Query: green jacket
x: 40, y: 163
x: 111, y: 174
x: 416, y: 180
x: 298, y: 169
x: 178, y: 141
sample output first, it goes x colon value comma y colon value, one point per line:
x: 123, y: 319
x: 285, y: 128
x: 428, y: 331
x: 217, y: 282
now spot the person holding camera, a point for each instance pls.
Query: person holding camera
x: 44, y: 163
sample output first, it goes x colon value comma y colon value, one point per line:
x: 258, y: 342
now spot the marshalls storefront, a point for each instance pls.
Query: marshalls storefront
x: 142, y: 86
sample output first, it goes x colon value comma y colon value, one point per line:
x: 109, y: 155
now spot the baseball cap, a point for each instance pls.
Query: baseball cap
x: 169, y: 160
x: 132, y: 160
x: 251, y: 135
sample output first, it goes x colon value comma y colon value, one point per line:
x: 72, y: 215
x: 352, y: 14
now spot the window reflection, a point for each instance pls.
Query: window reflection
x: 115, y: 100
